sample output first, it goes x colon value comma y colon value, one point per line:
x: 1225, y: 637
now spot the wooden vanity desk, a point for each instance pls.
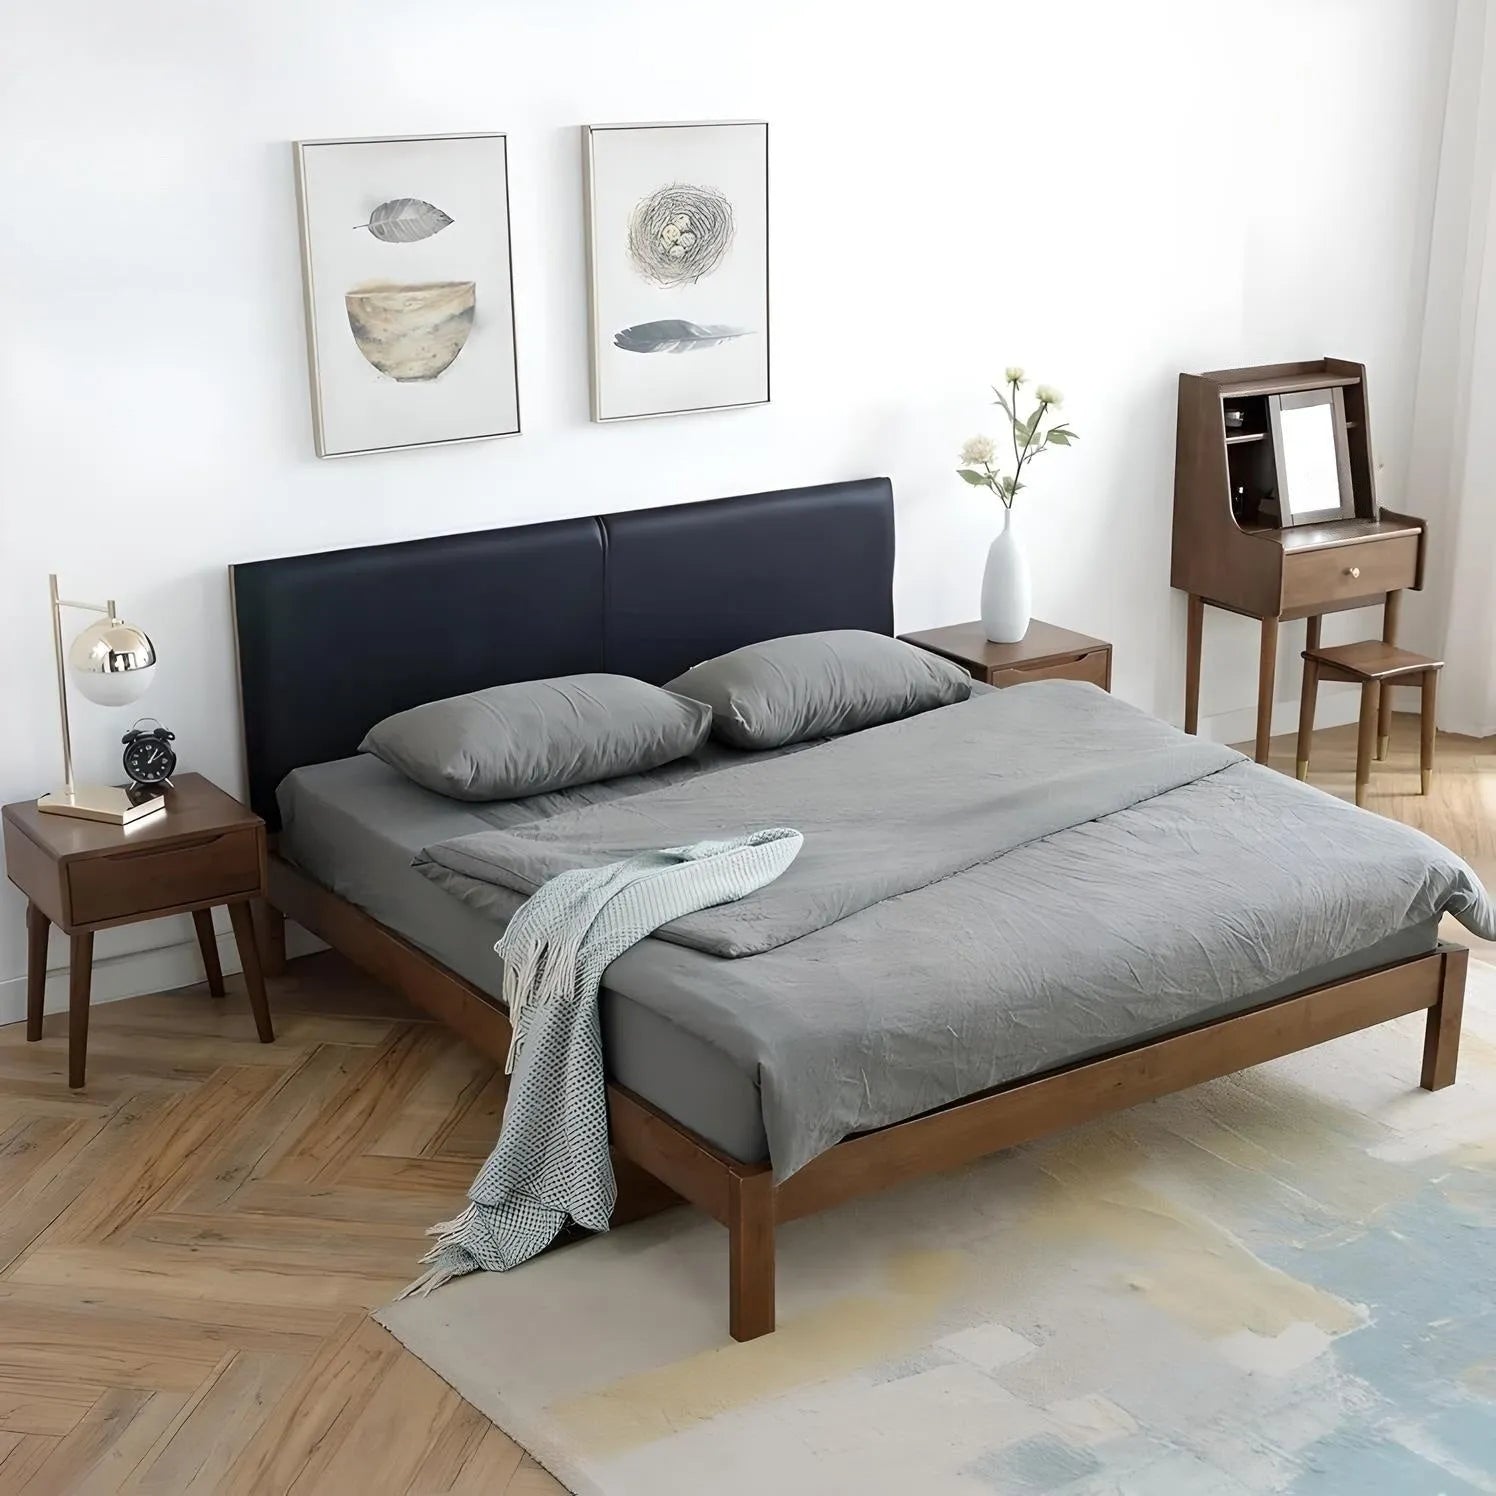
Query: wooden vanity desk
x: 1230, y: 549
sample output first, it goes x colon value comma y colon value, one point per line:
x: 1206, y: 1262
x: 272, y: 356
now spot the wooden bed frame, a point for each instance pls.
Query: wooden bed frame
x: 658, y: 1162
x: 330, y: 644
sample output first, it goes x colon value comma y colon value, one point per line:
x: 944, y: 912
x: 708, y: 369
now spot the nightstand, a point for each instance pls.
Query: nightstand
x: 1046, y: 652
x: 82, y: 876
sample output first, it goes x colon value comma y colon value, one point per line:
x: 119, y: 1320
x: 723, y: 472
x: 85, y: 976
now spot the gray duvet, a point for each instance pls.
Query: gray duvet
x: 983, y: 888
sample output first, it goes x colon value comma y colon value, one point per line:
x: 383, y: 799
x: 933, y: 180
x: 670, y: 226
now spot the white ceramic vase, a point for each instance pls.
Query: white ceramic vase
x: 1007, y: 595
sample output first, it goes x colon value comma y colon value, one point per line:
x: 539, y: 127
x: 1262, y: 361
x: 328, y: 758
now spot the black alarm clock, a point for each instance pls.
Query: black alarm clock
x: 149, y: 758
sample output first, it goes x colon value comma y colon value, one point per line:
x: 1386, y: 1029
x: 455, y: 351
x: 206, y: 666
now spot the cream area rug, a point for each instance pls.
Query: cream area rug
x: 1280, y: 1282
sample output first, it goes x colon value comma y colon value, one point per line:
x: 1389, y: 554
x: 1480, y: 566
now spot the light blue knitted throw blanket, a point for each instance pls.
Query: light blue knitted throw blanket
x: 551, y: 1162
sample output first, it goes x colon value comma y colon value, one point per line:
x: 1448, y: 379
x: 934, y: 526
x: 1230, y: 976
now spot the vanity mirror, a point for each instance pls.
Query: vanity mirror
x: 1311, y: 455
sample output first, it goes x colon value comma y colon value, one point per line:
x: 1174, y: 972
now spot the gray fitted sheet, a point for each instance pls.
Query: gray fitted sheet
x: 355, y: 825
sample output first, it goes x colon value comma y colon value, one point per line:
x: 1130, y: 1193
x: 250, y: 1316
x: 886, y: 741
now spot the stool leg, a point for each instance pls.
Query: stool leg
x: 1390, y: 611
x: 1366, y: 739
x: 1426, y: 729
x: 1306, y: 713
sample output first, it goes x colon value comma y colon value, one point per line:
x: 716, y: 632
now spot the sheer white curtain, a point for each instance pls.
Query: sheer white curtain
x: 1452, y: 467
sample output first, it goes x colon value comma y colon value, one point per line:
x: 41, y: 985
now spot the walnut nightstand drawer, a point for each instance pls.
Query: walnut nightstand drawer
x: 136, y: 881
x: 1095, y: 666
x: 1046, y: 652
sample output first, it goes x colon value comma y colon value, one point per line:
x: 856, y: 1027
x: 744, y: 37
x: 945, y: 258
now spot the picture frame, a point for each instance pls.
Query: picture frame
x: 677, y: 233
x: 1311, y: 457
x: 408, y: 289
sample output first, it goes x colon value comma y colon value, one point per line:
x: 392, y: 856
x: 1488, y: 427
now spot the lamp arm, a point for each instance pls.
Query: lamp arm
x: 62, y: 687
x: 58, y: 604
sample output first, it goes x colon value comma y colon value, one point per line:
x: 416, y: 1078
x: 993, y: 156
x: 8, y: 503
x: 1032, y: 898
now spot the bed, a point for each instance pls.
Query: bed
x: 705, y: 1099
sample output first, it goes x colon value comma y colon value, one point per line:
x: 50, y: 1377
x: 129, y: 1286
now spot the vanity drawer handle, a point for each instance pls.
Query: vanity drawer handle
x: 1353, y: 571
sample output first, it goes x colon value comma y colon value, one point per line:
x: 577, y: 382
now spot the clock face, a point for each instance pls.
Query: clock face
x: 149, y: 761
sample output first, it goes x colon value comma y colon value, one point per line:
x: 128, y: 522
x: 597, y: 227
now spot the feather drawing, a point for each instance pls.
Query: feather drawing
x: 674, y: 336
x: 405, y: 220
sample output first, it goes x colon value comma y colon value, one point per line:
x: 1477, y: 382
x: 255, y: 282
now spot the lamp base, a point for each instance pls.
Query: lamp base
x: 114, y: 804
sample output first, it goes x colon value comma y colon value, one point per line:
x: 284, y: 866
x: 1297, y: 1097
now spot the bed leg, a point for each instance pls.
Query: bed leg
x: 750, y: 1232
x: 271, y: 925
x: 1441, y: 1040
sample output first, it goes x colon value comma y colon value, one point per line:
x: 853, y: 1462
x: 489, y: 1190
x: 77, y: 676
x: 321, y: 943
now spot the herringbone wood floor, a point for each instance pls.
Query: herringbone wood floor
x: 188, y: 1248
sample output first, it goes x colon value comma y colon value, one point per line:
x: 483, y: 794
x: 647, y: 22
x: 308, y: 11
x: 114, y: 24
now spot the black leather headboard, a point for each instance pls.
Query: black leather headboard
x: 331, y: 643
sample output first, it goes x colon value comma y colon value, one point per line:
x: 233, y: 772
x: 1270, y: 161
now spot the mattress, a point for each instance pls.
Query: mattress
x: 355, y: 825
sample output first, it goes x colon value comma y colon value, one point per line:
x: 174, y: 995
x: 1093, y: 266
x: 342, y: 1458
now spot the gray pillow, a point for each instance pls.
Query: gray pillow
x: 818, y: 686
x: 539, y: 735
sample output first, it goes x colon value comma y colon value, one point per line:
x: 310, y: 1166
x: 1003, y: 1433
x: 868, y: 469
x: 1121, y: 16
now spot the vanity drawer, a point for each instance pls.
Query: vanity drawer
x: 1346, y: 571
x: 134, y: 882
x: 1094, y: 665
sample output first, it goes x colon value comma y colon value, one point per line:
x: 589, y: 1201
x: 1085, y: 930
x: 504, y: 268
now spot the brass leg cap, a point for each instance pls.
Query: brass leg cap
x: 1301, y: 768
x: 1382, y: 747
x: 1427, y: 776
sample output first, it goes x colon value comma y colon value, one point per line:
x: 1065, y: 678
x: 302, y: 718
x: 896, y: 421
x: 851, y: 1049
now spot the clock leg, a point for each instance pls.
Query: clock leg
x: 38, y: 927
x: 207, y: 944
x: 249, y: 959
x: 80, y: 983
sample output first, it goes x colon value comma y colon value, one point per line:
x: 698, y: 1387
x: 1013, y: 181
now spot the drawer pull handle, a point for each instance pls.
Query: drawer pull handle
x: 190, y: 846
x: 1353, y: 571
x: 1051, y: 664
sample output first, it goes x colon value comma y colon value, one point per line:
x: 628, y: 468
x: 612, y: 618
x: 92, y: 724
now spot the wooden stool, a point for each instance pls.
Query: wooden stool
x: 1373, y: 666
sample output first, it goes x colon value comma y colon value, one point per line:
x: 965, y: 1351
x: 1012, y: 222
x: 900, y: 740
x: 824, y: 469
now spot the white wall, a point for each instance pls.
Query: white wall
x: 1108, y: 194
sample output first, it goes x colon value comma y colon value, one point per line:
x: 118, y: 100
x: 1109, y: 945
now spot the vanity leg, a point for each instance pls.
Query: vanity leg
x: 1426, y: 729
x: 1306, y: 713
x: 1193, y: 638
x: 1365, y: 739
x: 1267, y: 668
x: 1389, y: 636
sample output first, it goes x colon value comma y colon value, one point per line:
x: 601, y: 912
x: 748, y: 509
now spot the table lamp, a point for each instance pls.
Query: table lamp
x: 111, y: 663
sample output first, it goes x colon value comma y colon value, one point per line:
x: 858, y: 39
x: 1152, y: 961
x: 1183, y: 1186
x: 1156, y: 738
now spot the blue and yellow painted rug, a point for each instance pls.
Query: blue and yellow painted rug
x: 1280, y: 1282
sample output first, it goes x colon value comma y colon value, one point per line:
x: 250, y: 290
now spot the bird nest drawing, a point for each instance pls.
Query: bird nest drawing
x: 679, y: 234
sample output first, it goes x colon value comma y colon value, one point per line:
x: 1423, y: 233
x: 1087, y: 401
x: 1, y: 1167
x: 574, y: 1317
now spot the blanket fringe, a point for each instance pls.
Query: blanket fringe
x: 432, y: 1278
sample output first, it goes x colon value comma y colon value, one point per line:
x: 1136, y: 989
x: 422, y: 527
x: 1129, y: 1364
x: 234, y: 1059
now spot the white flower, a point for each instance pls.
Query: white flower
x: 978, y: 450
x: 1047, y: 394
x: 1013, y: 374
x: 670, y: 233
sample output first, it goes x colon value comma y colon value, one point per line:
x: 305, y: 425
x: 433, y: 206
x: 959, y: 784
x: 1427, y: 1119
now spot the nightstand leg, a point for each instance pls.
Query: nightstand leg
x: 38, y: 927
x: 271, y: 924
x: 207, y: 944
x: 249, y: 959
x: 80, y: 981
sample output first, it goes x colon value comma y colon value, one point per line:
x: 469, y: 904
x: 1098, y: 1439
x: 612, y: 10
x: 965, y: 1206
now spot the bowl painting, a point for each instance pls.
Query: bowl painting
x: 414, y: 332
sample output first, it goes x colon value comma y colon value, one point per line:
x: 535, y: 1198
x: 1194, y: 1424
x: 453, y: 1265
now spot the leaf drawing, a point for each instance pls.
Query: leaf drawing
x: 674, y: 336
x: 405, y: 220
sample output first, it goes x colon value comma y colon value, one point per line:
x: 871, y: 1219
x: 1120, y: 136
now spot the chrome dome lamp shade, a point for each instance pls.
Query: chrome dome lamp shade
x: 112, y: 663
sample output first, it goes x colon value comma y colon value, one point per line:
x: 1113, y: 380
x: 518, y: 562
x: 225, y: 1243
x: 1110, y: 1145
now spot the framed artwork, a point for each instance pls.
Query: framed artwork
x: 678, y: 266
x: 409, y: 291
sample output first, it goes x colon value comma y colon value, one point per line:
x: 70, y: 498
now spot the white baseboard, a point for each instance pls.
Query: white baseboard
x: 1337, y: 706
x: 157, y: 970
